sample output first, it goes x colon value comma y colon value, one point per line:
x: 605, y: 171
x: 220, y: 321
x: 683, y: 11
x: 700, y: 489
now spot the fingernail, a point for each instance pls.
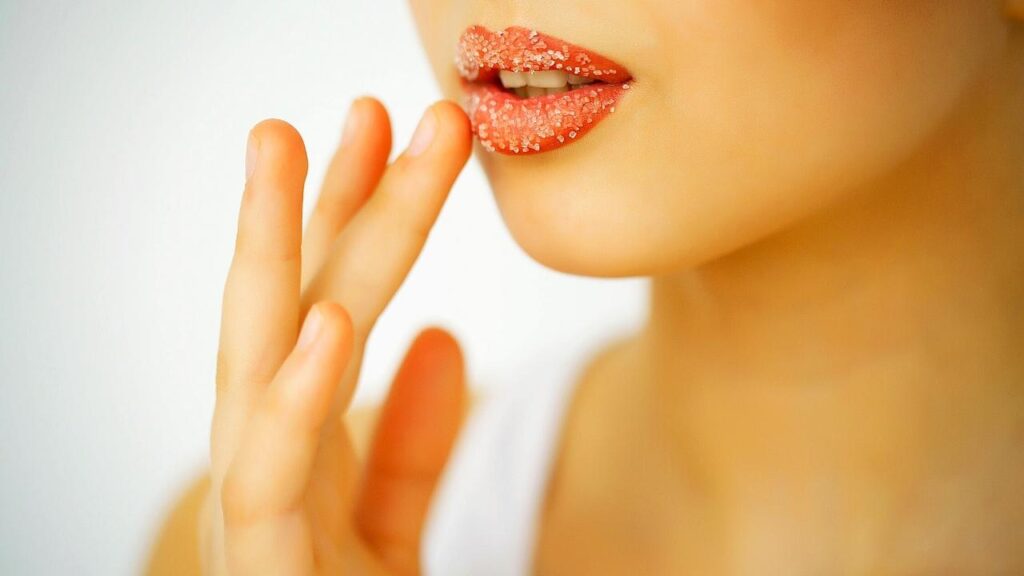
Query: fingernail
x: 310, y: 329
x: 252, y: 153
x: 424, y: 134
x: 352, y: 122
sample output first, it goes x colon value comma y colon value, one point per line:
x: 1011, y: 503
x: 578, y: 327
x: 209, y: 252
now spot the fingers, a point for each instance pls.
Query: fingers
x: 351, y: 177
x: 418, y: 425
x: 266, y: 530
x: 261, y: 295
x: 373, y: 254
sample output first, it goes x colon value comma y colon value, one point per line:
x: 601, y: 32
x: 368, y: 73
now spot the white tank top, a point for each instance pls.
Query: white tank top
x: 484, y: 516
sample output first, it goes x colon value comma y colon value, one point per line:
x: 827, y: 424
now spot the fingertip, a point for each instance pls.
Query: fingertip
x: 279, y: 144
x: 438, y: 338
x: 371, y: 106
x: 435, y: 355
x: 453, y: 113
x: 368, y: 116
x: 443, y: 130
x: 321, y: 354
x: 337, y: 323
x: 276, y: 129
x: 456, y: 124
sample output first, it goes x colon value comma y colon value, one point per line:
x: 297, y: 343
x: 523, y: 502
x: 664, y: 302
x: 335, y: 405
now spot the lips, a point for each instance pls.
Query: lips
x: 528, y: 93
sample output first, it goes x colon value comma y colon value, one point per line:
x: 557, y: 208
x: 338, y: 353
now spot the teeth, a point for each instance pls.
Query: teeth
x: 512, y: 79
x: 543, y: 79
x: 547, y: 79
x: 534, y: 84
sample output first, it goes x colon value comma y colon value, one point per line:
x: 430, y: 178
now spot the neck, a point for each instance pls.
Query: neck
x: 870, y: 346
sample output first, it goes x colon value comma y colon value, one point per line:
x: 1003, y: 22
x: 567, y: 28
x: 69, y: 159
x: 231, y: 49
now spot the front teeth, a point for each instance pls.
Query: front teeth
x: 547, y: 79
x: 512, y: 79
x: 533, y: 84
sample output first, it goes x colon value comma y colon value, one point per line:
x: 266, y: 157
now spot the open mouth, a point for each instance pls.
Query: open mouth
x: 529, y: 93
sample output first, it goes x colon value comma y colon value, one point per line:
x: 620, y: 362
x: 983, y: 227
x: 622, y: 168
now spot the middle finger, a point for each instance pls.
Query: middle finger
x: 372, y: 256
x: 351, y: 177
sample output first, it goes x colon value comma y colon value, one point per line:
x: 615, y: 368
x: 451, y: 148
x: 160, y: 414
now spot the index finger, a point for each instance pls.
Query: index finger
x: 260, y: 316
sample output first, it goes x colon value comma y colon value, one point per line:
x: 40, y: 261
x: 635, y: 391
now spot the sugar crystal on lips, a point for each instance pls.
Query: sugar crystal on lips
x: 522, y: 50
x: 504, y: 123
x: 508, y: 124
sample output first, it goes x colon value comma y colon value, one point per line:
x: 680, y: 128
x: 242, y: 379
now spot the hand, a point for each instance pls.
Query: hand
x: 287, y: 494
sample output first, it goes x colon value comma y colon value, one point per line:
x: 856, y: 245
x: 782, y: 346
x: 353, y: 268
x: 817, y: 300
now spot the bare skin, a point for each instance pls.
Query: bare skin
x: 842, y: 398
x: 752, y: 461
x: 830, y: 377
x: 919, y: 447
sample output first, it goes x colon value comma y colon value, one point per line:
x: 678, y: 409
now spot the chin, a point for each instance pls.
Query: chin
x: 582, y: 212
x: 580, y: 251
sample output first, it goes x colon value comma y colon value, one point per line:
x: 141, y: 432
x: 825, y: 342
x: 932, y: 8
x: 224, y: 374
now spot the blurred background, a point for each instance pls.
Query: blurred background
x: 121, y: 167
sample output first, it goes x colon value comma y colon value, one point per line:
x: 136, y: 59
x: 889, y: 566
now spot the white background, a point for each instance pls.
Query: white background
x: 121, y: 163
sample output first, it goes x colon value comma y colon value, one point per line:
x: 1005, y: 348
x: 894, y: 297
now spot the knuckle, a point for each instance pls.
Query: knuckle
x: 413, y: 221
x: 243, y: 365
x: 236, y: 500
x: 252, y: 250
x: 419, y: 231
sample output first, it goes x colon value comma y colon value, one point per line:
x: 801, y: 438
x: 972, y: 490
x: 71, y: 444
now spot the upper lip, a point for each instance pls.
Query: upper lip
x: 554, y: 91
x: 483, y: 54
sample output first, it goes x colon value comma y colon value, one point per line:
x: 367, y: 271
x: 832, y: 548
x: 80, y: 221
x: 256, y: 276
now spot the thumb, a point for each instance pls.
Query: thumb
x: 417, y: 427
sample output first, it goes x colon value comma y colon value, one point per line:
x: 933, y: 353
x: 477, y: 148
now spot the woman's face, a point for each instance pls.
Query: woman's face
x: 743, y: 117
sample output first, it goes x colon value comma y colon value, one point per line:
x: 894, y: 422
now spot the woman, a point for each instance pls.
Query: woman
x: 827, y: 197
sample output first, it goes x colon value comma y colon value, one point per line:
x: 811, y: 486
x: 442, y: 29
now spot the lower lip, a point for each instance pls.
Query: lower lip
x: 507, y: 124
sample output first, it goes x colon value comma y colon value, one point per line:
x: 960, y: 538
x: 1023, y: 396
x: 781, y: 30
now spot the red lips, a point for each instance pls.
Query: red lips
x: 508, y: 124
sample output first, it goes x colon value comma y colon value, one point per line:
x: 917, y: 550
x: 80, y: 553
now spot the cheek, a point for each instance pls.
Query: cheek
x: 779, y: 108
x: 438, y: 28
x: 823, y: 86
